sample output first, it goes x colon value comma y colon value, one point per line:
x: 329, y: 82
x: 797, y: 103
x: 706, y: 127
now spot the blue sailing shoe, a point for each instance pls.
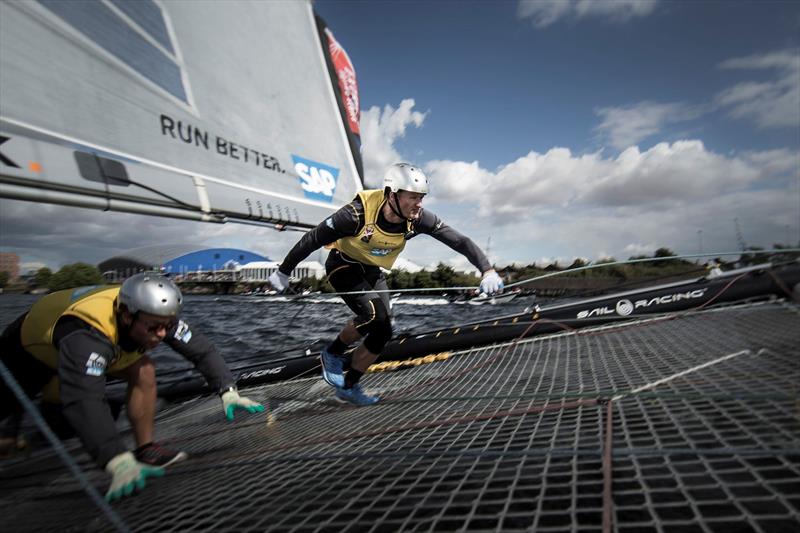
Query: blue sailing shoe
x: 356, y: 396
x: 332, y: 369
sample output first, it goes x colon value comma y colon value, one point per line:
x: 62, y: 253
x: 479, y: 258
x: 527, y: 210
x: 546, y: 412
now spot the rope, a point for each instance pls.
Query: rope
x: 580, y: 269
x: 61, y: 451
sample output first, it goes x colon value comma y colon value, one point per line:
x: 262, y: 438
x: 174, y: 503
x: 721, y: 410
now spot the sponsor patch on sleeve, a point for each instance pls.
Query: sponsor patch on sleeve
x: 183, y: 333
x: 95, y: 365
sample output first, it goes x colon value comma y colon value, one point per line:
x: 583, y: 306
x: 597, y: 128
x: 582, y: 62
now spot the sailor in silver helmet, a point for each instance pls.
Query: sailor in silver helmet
x: 68, y: 342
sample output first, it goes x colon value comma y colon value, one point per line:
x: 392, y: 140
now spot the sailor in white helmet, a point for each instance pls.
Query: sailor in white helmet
x: 368, y: 234
x: 67, y: 343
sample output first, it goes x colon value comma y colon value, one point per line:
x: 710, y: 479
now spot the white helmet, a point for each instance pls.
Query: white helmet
x: 405, y: 177
x: 151, y: 293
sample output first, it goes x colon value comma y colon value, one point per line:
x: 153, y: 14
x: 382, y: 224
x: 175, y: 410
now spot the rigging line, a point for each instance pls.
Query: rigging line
x: 779, y: 282
x: 681, y: 374
x: 632, y: 283
x: 77, y: 473
x: 649, y: 259
x: 164, y: 195
x: 577, y: 269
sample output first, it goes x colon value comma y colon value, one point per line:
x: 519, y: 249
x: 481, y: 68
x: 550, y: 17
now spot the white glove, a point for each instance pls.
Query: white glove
x: 491, y: 282
x: 129, y: 475
x: 279, y: 281
x: 232, y: 401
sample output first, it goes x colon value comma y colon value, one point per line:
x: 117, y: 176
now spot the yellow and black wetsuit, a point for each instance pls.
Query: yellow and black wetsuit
x: 364, y: 241
x: 67, y: 343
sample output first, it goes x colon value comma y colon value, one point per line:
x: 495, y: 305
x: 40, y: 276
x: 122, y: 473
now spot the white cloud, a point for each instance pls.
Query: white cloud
x: 545, y: 13
x: 769, y: 104
x: 628, y: 125
x: 457, y: 180
x: 665, y: 175
x: 636, y: 248
x: 380, y: 129
x: 558, y: 205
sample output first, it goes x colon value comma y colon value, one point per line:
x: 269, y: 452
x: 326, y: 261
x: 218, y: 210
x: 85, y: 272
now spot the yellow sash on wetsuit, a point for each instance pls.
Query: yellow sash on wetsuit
x: 372, y: 245
x: 94, y: 305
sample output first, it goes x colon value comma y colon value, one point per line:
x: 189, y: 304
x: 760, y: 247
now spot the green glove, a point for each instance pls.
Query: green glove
x: 232, y: 401
x: 129, y: 475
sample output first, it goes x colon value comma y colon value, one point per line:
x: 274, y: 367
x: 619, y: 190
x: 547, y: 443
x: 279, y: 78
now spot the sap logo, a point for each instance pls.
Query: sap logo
x: 381, y: 251
x: 183, y: 333
x: 96, y: 365
x: 260, y: 373
x: 317, y: 180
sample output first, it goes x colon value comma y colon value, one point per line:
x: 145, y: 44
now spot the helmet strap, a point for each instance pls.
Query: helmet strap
x: 396, y: 207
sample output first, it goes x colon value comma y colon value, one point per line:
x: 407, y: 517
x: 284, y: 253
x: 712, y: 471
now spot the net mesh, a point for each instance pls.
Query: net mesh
x: 704, y: 424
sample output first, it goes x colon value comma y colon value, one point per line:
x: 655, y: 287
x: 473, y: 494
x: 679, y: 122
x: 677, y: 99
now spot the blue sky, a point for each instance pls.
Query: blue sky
x: 565, y: 129
x: 497, y: 86
x: 591, y: 129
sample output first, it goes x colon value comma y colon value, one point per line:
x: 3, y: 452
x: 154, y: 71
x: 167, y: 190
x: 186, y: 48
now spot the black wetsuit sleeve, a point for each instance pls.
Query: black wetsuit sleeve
x: 84, y: 355
x: 345, y: 222
x: 432, y: 225
x: 198, y: 349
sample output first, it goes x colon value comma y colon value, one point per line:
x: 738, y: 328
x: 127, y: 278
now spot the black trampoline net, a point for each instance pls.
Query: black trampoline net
x: 703, y: 412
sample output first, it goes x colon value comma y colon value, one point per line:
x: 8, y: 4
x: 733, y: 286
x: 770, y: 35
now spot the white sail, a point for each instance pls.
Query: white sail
x: 204, y: 110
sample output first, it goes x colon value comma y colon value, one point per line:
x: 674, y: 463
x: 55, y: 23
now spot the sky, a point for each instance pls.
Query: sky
x: 549, y: 131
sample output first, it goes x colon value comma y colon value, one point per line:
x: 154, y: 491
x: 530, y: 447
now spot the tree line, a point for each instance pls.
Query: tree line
x: 81, y: 274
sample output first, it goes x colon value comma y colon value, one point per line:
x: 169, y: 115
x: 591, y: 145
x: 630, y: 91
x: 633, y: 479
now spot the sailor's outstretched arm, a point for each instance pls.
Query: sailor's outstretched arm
x: 198, y: 349
x: 432, y: 225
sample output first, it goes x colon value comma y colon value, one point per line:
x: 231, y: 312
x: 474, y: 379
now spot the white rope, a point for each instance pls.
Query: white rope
x: 578, y: 269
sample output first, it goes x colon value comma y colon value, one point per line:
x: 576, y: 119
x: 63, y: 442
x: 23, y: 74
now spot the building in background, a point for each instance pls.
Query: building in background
x: 9, y: 262
x: 261, y: 270
x: 178, y: 261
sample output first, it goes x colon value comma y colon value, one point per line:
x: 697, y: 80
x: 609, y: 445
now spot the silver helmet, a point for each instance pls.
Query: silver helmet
x: 150, y: 293
x: 405, y: 177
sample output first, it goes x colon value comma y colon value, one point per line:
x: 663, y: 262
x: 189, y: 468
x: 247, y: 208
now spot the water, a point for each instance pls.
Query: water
x: 242, y: 326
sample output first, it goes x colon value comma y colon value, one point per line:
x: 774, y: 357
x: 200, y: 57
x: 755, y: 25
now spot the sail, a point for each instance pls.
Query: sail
x: 211, y: 111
